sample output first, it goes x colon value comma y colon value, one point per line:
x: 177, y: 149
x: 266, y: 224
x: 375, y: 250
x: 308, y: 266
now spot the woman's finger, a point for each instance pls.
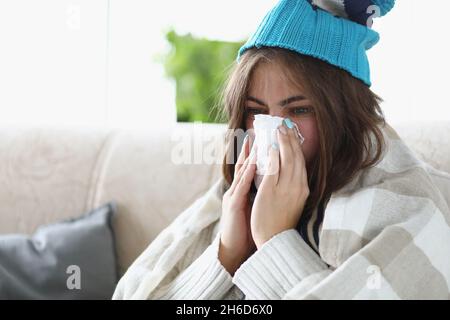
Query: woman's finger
x: 299, y: 169
x: 248, y: 173
x: 295, y: 145
x: 242, y: 155
x: 286, y: 155
x: 238, y: 175
x: 294, y: 139
x: 273, y: 169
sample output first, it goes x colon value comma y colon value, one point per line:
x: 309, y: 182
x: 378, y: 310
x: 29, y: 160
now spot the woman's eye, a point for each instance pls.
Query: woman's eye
x: 301, y: 110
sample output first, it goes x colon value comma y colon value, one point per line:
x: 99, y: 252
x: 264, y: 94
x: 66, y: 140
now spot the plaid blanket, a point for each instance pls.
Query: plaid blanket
x: 385, y: 235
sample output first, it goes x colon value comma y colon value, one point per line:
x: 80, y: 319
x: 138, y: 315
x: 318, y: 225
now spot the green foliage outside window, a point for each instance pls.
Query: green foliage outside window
x: 199, y: 68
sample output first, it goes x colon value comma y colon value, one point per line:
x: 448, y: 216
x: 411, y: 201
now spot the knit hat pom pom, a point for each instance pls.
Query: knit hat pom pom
x: 360, y: 11
x: 385, y: 5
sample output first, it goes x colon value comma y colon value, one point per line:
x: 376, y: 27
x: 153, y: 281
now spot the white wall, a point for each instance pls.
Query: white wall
x: 411, y: 64
x: 93, y: 61
x: 52, y: 61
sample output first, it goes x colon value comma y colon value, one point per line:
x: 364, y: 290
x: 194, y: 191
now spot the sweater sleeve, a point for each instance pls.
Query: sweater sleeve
x: 204, y: 279
x: 399, y: 263
x: 279, y: 265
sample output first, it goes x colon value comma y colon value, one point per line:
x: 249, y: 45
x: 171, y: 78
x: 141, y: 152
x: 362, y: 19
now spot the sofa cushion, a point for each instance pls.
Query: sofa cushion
x: 72, y: 259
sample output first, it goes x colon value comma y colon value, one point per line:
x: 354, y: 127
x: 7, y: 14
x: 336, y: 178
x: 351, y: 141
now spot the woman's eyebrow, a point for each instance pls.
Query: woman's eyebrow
x: 290, y: 100
x: 282, y: 103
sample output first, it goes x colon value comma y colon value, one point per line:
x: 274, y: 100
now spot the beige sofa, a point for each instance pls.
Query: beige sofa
x: 49, y: 174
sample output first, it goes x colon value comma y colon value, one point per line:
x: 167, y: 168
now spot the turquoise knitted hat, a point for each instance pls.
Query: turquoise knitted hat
x: 335, y: 31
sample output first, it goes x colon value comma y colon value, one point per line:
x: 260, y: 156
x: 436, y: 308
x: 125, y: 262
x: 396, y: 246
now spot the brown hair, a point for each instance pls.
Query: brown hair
x: 347, y: 114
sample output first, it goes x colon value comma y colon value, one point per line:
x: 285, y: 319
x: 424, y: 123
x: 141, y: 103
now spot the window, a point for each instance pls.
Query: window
x: 94, y: 62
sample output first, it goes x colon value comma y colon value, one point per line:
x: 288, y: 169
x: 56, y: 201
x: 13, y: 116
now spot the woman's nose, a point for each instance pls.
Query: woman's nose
x: 276, y: 113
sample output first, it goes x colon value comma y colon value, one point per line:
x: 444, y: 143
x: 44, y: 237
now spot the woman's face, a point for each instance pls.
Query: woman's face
x: 271, y: 93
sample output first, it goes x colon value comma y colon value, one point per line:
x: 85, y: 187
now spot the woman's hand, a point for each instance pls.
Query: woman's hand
x: 236, y: 243
x: 283, y: 191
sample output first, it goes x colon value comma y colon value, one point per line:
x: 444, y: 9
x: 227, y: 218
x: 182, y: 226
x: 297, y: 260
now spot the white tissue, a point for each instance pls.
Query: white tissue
x: 265, y: 130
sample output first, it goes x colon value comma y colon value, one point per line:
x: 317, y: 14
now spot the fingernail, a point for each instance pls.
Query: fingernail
x: 283, y: 130
x: 275, y: 146
x: 288, y: 123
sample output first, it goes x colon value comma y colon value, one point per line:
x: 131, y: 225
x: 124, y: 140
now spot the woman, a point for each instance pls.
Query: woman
x: 350, y: 213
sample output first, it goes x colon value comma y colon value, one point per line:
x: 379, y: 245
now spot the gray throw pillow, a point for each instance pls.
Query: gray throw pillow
x: 72, y: 259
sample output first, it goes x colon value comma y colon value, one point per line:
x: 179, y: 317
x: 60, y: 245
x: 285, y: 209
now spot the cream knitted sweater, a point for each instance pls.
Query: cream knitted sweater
x: 385, y: 235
